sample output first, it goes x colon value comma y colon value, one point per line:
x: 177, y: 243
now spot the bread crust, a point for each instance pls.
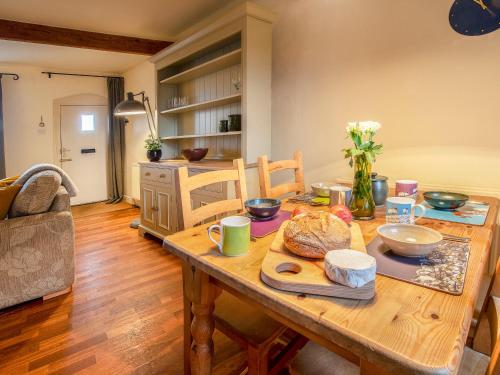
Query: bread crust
x: 313, y: 234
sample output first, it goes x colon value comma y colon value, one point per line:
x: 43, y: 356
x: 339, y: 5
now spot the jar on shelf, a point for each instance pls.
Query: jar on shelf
x: 223, y: 126
x: 235, y: 123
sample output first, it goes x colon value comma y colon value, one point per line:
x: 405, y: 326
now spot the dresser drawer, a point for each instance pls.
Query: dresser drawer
x: 160, y: 175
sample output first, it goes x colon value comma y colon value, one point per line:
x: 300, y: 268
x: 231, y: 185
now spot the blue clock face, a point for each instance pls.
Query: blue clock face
x: 475, y: 17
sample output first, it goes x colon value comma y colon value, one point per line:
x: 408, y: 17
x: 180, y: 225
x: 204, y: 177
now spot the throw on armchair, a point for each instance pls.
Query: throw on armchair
x: 37, y: 239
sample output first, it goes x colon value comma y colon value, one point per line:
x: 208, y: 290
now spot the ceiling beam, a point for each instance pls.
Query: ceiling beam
x: 59, y: 36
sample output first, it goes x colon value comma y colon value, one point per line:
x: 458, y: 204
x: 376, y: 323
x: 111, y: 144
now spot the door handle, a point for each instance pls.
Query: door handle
x: 63, y: 160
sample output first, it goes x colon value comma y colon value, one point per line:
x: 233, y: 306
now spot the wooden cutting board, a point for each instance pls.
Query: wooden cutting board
x: 281, y: 269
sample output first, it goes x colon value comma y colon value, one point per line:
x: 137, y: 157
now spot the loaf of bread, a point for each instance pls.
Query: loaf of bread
x: 313, y: 234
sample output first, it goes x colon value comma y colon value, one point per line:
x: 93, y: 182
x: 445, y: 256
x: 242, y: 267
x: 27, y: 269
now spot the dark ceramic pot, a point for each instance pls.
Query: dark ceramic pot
x: 154, y: 155
x: 194, y: 154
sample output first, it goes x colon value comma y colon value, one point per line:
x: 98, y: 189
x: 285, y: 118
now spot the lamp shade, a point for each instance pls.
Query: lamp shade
x: 129, y: 107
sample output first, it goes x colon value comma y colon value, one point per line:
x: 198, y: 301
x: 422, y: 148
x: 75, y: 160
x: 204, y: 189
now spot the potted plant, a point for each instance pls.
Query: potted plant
x: 153, y: 145
x: 361, y: 157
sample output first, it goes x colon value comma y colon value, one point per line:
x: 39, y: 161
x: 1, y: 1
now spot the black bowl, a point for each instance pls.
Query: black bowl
x: 445, y: 200
x: 263, y: 208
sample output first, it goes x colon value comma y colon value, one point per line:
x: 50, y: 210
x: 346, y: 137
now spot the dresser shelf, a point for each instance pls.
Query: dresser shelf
x: 225, y: 134
x: 219, y: 63
x: 205, y: 104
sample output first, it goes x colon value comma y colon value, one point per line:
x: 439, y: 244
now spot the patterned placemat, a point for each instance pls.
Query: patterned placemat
x: 260, y: 229
x: 473, y: 213
x: 310, y: 198
x: 444, y: 269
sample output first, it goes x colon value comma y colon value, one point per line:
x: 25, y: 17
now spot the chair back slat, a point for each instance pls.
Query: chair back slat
x: 493, y: 312
x: 212, y: 177
x: 283, y: 189
x: 283, y: 164
x: 215, y: 208
x: 186, y: 184
x: 266, y: 168
x: 489, y: 317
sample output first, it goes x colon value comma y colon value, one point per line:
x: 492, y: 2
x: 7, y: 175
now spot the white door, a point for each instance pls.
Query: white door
x: 84, y: 149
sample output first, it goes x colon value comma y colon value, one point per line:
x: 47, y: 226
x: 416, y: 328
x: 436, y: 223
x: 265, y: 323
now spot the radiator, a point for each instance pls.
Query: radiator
x: 136, y: 183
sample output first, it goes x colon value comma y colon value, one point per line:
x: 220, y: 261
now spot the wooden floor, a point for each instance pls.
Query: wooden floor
x: 124, y: 315
x: 90, y: 209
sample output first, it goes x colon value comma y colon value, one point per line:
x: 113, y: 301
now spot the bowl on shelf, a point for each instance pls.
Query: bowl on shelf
x: 409, y: 240
x: 263, y: 208
x: 194, y: 154
x: 445, y: 200
x: 322, y: 189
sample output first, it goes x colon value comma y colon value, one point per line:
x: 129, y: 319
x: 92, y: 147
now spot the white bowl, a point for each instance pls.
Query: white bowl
x: 409, y: 240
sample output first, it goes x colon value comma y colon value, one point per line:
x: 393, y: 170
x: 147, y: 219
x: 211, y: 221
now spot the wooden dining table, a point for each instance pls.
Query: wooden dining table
x: 404, y: 329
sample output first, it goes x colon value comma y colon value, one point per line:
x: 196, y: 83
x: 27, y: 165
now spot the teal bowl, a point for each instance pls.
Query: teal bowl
x: 443, y: 200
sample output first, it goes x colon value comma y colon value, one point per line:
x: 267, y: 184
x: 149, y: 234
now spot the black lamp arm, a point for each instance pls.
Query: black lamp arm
x: 145, y: 100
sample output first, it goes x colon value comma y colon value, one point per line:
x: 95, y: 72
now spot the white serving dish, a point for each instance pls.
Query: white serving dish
x: 409, y: 240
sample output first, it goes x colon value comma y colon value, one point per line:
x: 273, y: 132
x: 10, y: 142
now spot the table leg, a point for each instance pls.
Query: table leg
x: 201, y: 293
x: 188, y: 318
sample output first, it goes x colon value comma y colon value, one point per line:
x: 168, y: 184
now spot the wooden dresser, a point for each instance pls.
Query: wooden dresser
x: 159, y: 212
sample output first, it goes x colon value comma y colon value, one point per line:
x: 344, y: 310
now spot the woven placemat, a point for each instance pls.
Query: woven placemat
x: 444, y: 269
x: 310, y: 199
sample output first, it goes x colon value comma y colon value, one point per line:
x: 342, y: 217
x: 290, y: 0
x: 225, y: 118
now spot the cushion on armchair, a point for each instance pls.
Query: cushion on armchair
x: 7, y: 196
x: 36, y: 194
x: 8, y: 181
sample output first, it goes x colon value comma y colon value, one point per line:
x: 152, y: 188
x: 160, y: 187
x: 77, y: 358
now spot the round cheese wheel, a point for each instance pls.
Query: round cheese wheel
x: 313, y: 234
x: 350, y: 267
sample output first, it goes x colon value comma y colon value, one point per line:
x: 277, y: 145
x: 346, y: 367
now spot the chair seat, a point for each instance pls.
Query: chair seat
x: 473, y: 363
x: 236, y: 318
x: 314, y: 359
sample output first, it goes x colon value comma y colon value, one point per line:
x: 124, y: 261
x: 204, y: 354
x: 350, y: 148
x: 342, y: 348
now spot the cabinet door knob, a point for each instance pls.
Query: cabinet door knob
x: 147, y: 174
x: 162, y: 176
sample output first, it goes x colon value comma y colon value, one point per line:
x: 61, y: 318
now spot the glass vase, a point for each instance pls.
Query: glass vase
x: 362, y: 204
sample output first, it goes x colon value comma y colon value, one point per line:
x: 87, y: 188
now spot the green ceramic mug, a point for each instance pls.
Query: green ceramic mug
x: 235, y: 235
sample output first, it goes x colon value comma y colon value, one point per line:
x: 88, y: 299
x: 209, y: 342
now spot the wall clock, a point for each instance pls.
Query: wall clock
x: 475, y: 17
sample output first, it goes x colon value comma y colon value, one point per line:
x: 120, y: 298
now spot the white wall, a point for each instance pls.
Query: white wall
x: 140, y: 78
x: 24, y: 101
x: 435, y: 92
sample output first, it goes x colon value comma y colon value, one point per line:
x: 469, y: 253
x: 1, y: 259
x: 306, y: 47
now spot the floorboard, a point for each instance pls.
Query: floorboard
x: 124, y: 315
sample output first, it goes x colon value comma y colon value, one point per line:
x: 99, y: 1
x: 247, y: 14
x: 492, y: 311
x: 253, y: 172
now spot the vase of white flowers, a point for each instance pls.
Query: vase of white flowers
x: 361, y: 157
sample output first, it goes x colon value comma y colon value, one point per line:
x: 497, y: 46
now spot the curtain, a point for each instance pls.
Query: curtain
x: 116, y: 149
x: 2, y: 147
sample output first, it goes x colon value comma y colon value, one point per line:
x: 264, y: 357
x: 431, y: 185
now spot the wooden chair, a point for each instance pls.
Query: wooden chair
x: 266, y: 168
x: 248, y: 326
x: 316, y: 360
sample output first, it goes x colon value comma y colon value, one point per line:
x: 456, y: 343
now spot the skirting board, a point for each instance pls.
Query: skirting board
x: 132, y: 201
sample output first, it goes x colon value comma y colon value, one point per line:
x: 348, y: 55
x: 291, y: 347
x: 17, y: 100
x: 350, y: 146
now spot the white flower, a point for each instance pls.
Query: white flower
x: 351, y: 126
x: 369, y: 126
